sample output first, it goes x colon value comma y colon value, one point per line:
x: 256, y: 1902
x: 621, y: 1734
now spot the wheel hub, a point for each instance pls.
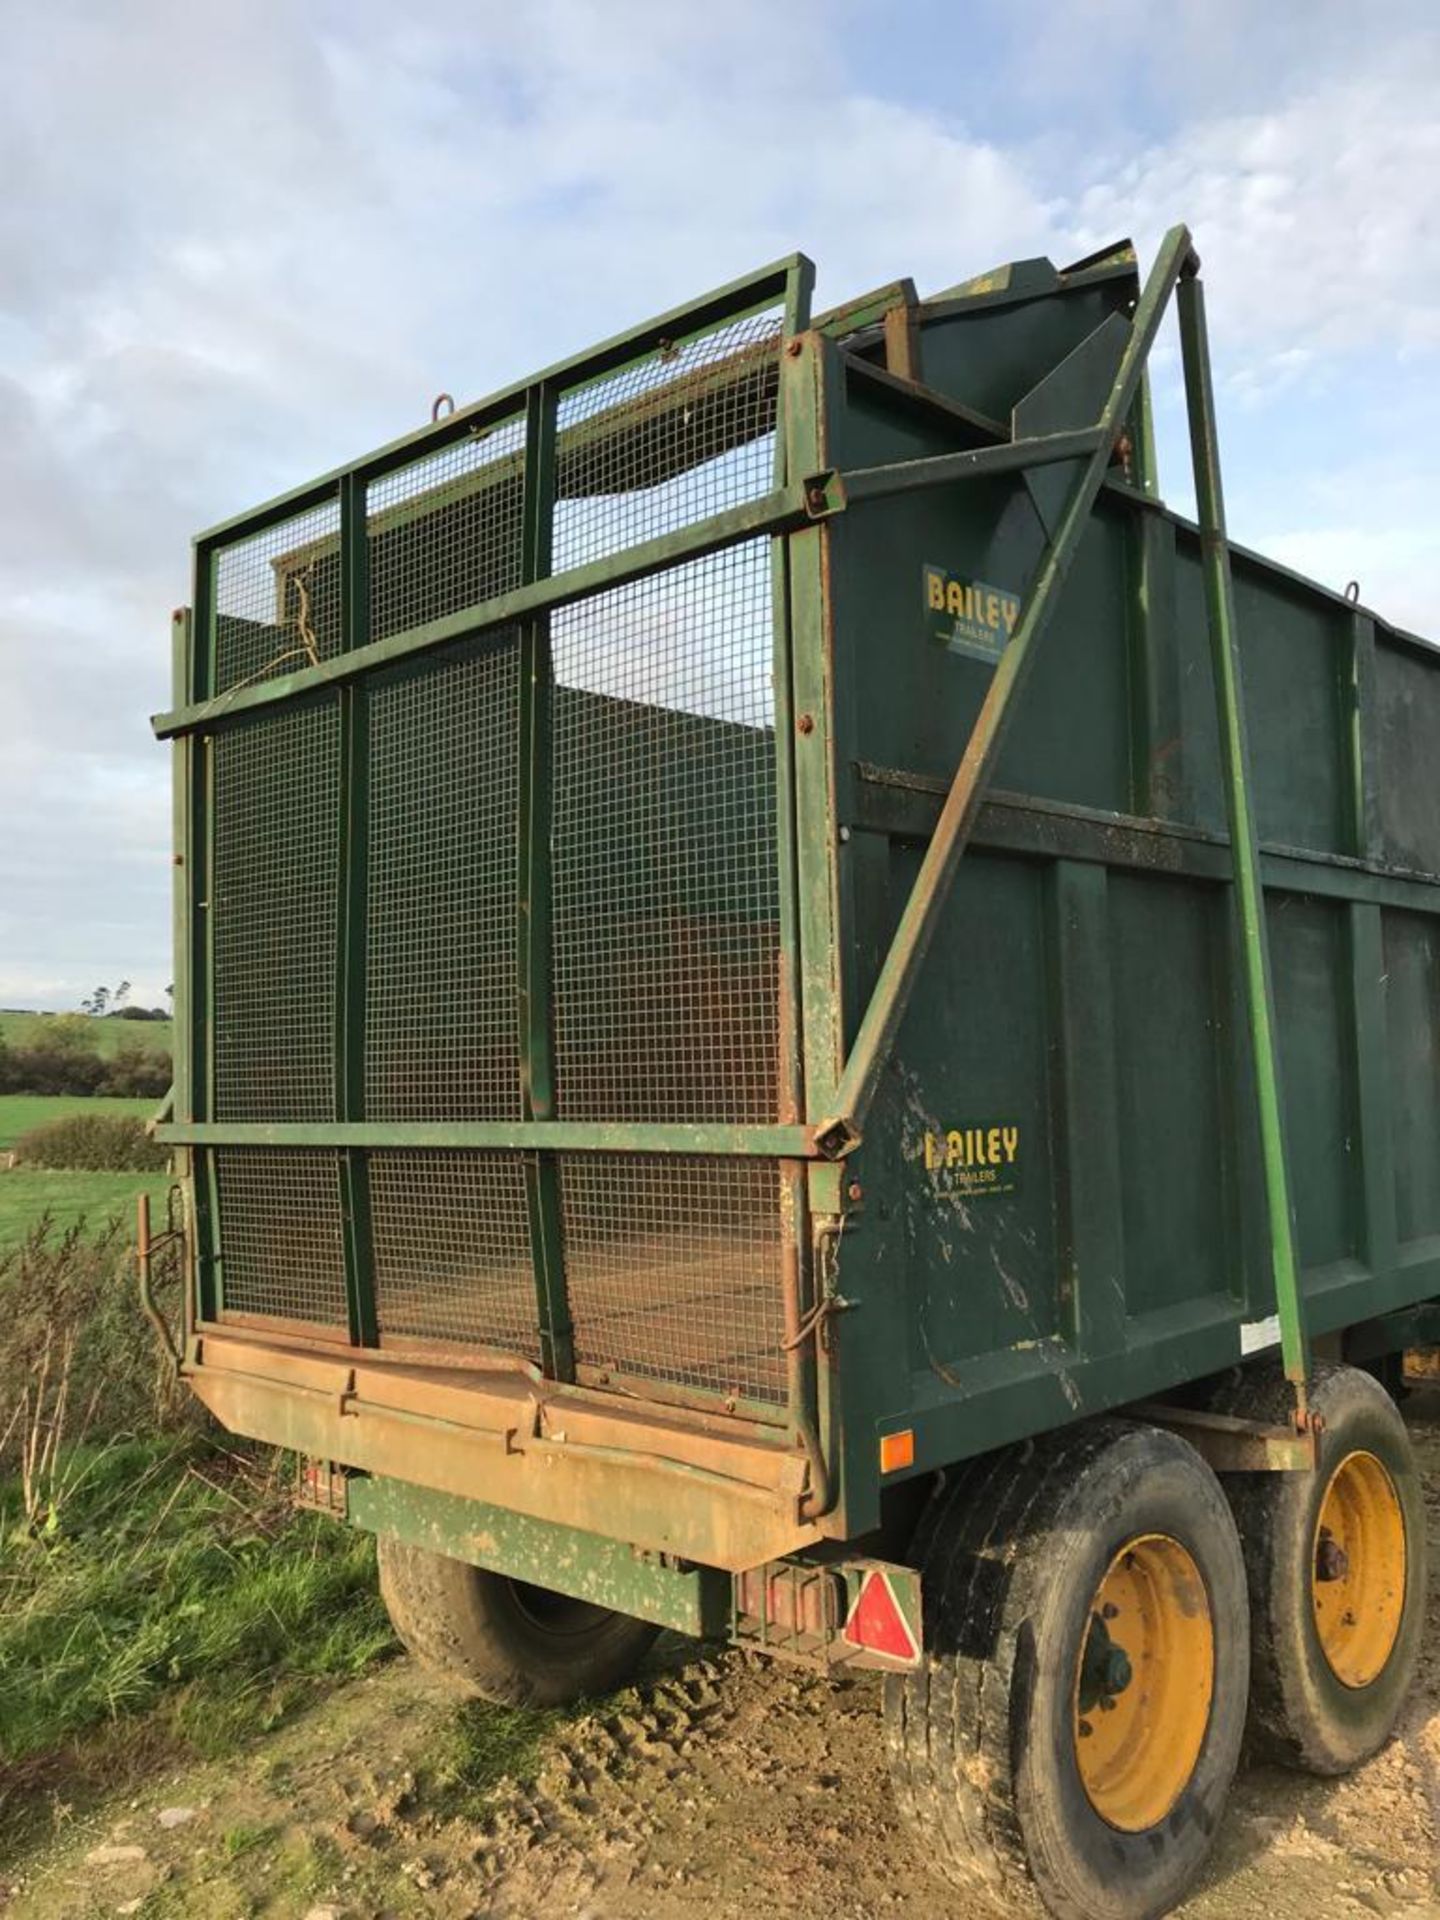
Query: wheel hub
x: 1105, y: 1669
x: 1144, y: 1683
x: 1357, y: 1588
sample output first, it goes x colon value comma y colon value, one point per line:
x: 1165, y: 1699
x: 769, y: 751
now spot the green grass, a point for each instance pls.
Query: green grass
x: 19, y: 1112
x: 19, y: 1029
x: 479, y: 1745
x: 162, y: 1581
x: 27, y: 1193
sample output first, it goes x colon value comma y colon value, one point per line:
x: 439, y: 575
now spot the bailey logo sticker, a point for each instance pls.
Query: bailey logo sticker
x: 974, y: 1161
x: 969, y: 616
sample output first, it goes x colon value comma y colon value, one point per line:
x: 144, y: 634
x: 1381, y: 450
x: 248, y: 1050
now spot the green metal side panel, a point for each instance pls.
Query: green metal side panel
x: 1085, y: 989
x: 587, y: 1566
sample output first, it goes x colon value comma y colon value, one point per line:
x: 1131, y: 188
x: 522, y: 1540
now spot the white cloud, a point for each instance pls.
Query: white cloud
x: 1314, y: 217
x: 269, y: 234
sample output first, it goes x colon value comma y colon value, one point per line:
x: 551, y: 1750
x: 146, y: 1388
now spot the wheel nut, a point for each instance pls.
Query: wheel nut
x: 1110, y: 1611
x: 1084, y: 1729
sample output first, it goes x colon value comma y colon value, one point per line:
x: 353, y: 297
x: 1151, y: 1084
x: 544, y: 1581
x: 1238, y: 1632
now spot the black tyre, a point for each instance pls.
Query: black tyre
x: 1070, y: 1741
x: 505, y: 1640
x: 1336, y: 1568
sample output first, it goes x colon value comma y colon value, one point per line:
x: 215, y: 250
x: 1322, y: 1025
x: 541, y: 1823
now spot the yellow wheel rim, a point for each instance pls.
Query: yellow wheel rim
x: 1357, y: 1571
x: 1144, y: 1683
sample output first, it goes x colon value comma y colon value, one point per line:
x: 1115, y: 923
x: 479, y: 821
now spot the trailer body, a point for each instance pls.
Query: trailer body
x: 550, y: 788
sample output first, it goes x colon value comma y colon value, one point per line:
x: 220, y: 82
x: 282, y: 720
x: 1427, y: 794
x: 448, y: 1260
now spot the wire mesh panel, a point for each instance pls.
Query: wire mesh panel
x: 656, y: 734
x: 666, y: 897
x: 452, y: 1249
x: 272, y: 907
x: 441, y: 975
x: 671, y: 438
x: 277, y: 599
x: 444, y: 532
x: 281, y: 1233
x: 673, y: 1264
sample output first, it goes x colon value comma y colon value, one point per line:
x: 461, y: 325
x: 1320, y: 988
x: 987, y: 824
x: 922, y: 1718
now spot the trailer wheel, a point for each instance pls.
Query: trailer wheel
x: 1069, y: 1742
x: 505, y: 1640
x: 1336, y: 1567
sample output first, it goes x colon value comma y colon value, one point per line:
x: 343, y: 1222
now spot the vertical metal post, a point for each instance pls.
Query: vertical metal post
x: 200, y: 953
x: 796, y: 317
x: 797, y: 1276
x: 1144, y: 457
x: 534, y: 891
x: 808, y: 750
x: 1362, y: 737
x: 353, y: 857
x: 1244, y: 843
x: 192, y: 756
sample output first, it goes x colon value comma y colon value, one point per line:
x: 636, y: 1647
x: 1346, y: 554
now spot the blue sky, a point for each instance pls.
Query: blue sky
x: 240, y: 244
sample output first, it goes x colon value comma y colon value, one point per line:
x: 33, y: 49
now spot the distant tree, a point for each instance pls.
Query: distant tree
x: 97, y: 1003
x: 120, y: 996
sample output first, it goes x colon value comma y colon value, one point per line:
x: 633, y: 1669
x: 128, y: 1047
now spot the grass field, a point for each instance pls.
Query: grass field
x: 28, y: 1192
x: 19, y: 1029
x: 19, y: 1112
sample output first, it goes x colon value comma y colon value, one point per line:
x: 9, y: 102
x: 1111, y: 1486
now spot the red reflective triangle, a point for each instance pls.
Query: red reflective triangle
x: 877, y: 1621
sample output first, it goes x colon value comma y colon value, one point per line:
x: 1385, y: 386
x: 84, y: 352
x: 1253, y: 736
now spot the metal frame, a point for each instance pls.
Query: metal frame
x: 199, y: 711
x: 826, y: 1088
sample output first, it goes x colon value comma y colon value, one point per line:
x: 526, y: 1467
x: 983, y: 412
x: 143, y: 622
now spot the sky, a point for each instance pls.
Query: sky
x: 240, y: 244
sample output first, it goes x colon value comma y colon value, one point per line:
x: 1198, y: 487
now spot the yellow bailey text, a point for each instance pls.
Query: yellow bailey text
x: 971, y: 1147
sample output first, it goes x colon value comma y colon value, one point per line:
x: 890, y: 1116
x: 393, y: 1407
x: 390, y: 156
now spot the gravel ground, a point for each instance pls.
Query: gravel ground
x: 718, y: 1787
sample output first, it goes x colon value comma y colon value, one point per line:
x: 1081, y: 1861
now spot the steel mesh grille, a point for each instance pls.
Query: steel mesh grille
x: 273, y: 914
x: 277, y: 599
x: 674, y: 1269
x: 452, y: 1249
x: 280, y: 1233
x: 668, y: 440
x: 444, y: 532
x: 663, y: 867
x: 441, y: 977
x: 666, y: 897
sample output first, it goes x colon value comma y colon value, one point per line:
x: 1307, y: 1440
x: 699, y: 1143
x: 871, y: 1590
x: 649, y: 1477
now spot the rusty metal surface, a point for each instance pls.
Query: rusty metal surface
x: 1233, y: 1445
x: 710, y: 1490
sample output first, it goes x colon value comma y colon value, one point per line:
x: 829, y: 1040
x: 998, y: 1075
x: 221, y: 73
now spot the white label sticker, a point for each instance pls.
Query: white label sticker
x: 1256, y: 1335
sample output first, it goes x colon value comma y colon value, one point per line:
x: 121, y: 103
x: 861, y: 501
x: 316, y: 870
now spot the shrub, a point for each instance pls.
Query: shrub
x: 135, y: 1073
x: 92, y: 1143
x: 57, y: 1065
x: 77, y: 1357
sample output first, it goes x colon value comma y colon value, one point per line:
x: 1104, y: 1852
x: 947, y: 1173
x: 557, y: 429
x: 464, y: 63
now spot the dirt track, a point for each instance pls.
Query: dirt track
x: 717, y: 1787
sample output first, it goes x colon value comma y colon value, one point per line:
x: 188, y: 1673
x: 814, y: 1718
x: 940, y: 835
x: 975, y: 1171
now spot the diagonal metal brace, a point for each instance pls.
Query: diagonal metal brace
x: 840, y: 1133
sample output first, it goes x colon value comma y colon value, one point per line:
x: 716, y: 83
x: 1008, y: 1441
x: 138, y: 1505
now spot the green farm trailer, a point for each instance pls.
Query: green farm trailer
x: 803, y: 1017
